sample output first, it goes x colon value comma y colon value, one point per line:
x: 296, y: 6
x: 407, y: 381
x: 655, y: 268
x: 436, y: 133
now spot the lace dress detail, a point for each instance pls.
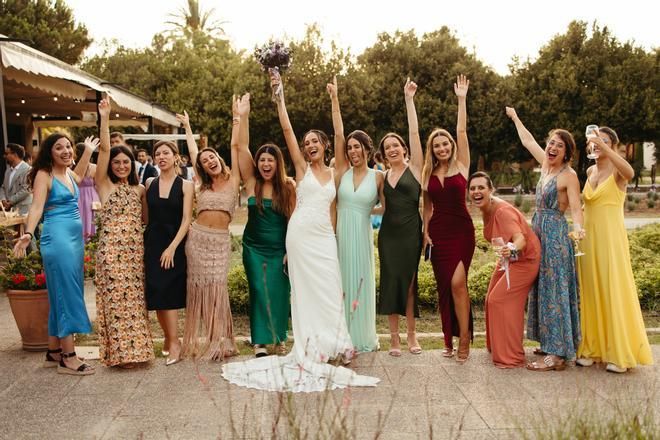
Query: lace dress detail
x: 224, y: 200
x: 122, y: 320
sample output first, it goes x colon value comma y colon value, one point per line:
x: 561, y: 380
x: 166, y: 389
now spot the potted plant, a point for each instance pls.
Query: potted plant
x: 24, y: 281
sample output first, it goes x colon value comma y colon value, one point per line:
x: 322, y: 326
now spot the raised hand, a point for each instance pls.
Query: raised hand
x: 409, y: 89
x: 243, y: 105
x: 332, y: 87
x: 276, y: 85
x: 92, y: 143
x: 511, y: 112
x: 183, y: 119
x: 104, y: 108
x: 461, y: 86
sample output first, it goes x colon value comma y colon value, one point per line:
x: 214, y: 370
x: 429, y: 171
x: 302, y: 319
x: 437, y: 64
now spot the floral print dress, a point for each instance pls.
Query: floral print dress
x: 553, y: 310
x: 122, y: 319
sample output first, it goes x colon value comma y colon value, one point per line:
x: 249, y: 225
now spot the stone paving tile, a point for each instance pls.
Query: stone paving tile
x: 455, y: 419
x: 509, y: 414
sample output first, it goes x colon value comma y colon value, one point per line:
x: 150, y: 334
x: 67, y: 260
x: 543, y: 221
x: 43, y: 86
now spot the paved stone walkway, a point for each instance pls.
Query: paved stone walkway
x: 425, y: 396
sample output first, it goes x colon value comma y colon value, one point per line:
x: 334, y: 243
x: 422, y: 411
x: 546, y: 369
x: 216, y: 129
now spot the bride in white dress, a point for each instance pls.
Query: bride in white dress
x: 319, y: 324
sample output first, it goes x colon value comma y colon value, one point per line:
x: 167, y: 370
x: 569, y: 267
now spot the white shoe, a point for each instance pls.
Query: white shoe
x: 584, y: 362
x: 613, y: 368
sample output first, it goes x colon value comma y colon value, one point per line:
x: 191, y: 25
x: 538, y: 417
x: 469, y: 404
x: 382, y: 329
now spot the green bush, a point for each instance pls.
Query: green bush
x: 629, y: 197
x: 237, y: 285
x: 427, y: 287
x: 518, y: 200
x: 647, y: 237
x: 648, y: 287
x: 526, y: 206
x: 630, y: 206
x: 650, y: 203
x: 478, y: 281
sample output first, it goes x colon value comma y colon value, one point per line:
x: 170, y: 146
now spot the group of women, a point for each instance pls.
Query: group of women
x: 308, y: 251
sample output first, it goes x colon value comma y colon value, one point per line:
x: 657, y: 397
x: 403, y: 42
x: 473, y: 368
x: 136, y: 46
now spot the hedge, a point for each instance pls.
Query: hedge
x: 644, y: 251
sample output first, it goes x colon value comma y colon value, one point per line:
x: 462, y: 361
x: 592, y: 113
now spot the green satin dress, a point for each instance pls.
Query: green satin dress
x: 263, y: 254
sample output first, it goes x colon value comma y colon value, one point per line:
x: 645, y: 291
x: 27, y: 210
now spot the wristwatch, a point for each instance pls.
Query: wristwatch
x: 514, y: 251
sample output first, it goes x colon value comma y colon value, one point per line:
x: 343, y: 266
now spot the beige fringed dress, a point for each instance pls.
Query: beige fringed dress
x: 208, y: 332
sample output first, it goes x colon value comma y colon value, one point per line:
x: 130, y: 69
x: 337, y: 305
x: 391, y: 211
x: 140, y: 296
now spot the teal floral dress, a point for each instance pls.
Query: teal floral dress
x: 553, y: 309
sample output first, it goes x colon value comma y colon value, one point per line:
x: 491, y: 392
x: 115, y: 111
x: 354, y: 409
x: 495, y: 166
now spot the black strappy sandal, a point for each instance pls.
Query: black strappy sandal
x: 83, y: 370
x: 50, y: 361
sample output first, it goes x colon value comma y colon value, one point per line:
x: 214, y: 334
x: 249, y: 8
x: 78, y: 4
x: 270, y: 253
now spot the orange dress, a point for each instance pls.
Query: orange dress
x: 505, y: 306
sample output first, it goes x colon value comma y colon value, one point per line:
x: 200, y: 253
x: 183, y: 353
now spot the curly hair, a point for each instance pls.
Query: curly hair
x: 44, y: 159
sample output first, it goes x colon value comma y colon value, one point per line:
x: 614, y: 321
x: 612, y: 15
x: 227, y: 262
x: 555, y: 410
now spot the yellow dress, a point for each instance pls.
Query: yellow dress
x: 610, y: 317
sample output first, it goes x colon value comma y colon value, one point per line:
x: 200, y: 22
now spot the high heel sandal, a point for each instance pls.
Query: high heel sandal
x: 395, y: 338
x: 415, y: 348
x: 83, y: 369
x: 463, y: 353
x: 550, y: 362
x: 50, y: 361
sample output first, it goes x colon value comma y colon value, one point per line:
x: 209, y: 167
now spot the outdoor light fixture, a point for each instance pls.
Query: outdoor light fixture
x: 68, y: 117
x: 116, y: 115
x: 55, y: 98
x: 22, y: 101
x: 18, y: 114
x: 43, y: 116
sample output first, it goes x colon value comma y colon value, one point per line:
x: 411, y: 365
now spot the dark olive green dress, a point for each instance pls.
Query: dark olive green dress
x: 399, y: 245
x: 263, y: 253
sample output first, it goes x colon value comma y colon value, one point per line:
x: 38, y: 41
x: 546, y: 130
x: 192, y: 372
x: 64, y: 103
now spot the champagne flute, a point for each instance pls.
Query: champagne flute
x: 575, y: 235
x: 591, y: 131
x: 498, y: 245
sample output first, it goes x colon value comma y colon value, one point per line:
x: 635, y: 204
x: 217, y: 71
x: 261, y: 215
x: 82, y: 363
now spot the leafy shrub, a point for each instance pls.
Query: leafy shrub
x: 650, y: 203
x: 237, y: 285
x: 526, y: 206
x: 518, y: 200
x: 427, y: 287
x: 648, y: 287
x: 478, y: 281
x: 26, y: 273
x: 630, y: 206
x: 629, y: 197
x: 647, y: 237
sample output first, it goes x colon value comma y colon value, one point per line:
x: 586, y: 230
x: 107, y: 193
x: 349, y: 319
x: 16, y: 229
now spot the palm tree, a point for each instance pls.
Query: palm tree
x: 192, y: 20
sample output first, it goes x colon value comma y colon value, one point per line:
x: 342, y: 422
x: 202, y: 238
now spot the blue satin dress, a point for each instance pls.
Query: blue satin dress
x: 62, y: 251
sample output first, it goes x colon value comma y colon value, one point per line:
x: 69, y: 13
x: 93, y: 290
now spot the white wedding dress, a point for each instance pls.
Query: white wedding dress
x: 319, y: 324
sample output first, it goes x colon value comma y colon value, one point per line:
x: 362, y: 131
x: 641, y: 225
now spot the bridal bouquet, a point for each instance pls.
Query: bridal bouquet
x: 274, y: 58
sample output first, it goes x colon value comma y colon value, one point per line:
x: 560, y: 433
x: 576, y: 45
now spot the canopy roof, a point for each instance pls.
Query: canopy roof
x: 40, y: 85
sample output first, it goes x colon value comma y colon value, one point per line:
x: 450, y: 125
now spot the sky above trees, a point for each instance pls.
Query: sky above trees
x: 495, y: 30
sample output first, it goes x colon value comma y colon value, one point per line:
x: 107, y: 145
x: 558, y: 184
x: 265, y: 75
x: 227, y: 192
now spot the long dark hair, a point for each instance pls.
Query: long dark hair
x: 207, y: 181
x: 132, y: 176
x: 365, y: 142
x: 282, y: 188
x: 44, y: 159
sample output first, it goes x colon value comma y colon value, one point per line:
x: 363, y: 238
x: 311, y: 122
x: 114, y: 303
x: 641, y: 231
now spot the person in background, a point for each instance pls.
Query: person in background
x: 116, y: 138
x: 88, y: 200
x: 145, y: 169
x: 15, y: 192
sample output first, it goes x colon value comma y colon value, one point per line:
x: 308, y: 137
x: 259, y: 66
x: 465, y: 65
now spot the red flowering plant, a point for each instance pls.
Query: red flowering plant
x: 25, y: 273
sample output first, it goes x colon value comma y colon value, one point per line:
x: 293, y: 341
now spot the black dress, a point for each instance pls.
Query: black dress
x: 165, y: 289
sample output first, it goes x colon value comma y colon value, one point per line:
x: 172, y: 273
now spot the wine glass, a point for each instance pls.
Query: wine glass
x: 575, y: 236
x: 590, y: 132
x: 498, y: 245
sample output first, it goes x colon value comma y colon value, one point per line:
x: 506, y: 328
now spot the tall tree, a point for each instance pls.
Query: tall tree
x: 586, y: 77
x: 192, y: 19
x: 48, y: 25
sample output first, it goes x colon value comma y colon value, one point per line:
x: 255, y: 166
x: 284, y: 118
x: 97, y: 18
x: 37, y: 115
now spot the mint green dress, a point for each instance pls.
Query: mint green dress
x: 263, y: 253
x: 355, y: 243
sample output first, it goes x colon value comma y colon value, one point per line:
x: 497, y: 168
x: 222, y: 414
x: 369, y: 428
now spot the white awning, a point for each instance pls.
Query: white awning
x: 36, y: 69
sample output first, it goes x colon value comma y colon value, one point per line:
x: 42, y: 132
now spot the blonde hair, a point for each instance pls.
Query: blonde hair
x: 430, y: 161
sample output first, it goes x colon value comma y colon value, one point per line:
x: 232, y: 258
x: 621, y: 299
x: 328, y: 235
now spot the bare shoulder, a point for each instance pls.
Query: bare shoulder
x: 590, y: 170
x: 147, y: 184
x: 140, y: 189
x: 188, y: 186
x: 291, y: 182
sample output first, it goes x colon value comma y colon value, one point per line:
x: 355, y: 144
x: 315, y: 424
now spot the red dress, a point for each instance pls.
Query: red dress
x: 452, y: 233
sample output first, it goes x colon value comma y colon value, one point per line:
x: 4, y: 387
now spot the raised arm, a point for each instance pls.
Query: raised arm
x: 39, y: 196
x: 241, y: 116
x: 416, y: 155
x: 624, y: 169
x: 101, y: 177
x: 289, y: 136
x: 233, y: 143
x: 193, y: 150
x: 463, y: 147
x: 81, y: 167
x: 341, y: 164
x: 526, y: 137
